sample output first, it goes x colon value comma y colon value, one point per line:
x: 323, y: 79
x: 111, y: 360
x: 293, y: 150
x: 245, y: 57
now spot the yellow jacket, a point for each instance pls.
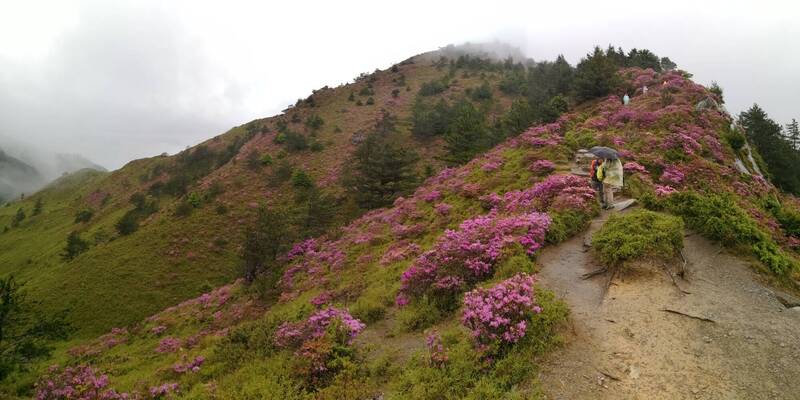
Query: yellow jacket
x: 610, y: 173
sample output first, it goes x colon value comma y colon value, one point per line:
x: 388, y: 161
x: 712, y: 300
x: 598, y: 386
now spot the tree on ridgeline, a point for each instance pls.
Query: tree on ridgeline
x: 595, y: 76
x: 783, y: 161
x: 793, y: 134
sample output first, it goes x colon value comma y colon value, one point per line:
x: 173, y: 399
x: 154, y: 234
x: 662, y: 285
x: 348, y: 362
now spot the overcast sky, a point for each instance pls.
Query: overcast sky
x: 118, y: 80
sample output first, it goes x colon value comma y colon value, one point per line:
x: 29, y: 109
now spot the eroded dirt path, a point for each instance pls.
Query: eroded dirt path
x: 626, y: 347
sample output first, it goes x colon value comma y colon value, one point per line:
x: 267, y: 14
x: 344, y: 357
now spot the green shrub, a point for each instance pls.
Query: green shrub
x: 317, y: 146
x: 184, y: 209
x: 266, y: 159
x: 369, y: 308
x: 638, y: 235
x: 127, y: 224
x: 565, y: 224
x: 718, y: 217
x: 314, y: 122
x: 301, y: 180
x: 514, y: 265
x: 419, y: 315
x: 83, y: 215
x: 433, y: 87
x: 295, y: 141
x: 75, y: 246
x: 370, y: 101
x: 582, y: 139
x: 734, y: 138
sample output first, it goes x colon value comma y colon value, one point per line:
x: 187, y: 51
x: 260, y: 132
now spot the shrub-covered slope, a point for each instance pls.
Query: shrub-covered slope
x: 435, y: 296
x: 164, y: 229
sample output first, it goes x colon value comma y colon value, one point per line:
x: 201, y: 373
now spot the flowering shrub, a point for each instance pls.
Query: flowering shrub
x: 542, y: 167
x: 432, y: 196
x: 467, y: 255
x: 163, y: 390
x: 322, y: 299
x: 436, y: 349
x: 664, y: 190
x: 294, y: 334
x: 78, y: 382
x: 499, y: 315
x: 193, y: 366
x: 634, y: 167
x: 158, y: 330
x: 672, y: 175
x: 491, y: 165
x: 168, y: 345
x: 312, y: 259
x: 325, y: 335
x: 398, y: 251
x: 443, y: 209
x: 556, y: 191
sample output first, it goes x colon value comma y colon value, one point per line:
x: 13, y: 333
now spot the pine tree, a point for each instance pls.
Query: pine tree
x: 467, y: 134
x: 24, y: 333
x: 75, y: 246
x: 265, y: 240
x: 595, y: 76
x: 37, y: 207
x: 381, y: 170
x: 793, y: 134
x: 18, y: 218
x: 783, y: 161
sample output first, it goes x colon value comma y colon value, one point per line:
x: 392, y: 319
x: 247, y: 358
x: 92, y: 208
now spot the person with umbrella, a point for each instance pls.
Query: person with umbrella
x: 608, y: 173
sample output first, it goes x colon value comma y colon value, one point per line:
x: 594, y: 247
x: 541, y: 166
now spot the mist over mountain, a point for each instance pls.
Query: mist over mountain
x: 24, y: 170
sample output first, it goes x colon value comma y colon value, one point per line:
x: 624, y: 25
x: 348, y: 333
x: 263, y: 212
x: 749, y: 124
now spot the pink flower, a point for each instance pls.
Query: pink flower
x: 542, y: 167
x: 500, y: 314
x: 168, y: 345
x: 443, y: 208
x: 634, y: 167
x: 672, y: 175
x: 665, y: 190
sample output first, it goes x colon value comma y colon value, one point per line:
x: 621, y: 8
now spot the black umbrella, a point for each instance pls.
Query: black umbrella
x: 604, y: 152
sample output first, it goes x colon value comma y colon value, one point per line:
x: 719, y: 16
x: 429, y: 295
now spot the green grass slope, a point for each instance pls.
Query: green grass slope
x: 247, y: 342
x: 170, y: 258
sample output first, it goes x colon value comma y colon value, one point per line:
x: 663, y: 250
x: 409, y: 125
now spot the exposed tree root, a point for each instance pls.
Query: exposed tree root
x: 688, y: 315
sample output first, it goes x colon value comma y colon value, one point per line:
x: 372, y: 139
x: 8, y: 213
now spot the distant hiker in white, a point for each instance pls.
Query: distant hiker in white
x: 626, y: 99
x: 644, y: 89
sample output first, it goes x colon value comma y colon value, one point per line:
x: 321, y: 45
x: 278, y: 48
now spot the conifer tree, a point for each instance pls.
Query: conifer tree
x: 783, y: 161
x: 381, y: 169
x: 793, y: 134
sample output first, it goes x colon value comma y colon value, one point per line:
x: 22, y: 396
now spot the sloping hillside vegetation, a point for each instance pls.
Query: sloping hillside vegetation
x: 436, y: 296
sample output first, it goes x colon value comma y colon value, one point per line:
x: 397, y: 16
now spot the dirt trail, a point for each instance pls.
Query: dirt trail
x: 628, y: 348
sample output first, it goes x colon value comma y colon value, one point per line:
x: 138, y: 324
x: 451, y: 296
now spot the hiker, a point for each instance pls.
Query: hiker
x: 610, y: 174
x: 626, y: 99
x: 644, y: 89
x: 597, y: 184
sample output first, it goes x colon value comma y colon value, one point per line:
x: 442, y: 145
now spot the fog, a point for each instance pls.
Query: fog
x: 114, y: 81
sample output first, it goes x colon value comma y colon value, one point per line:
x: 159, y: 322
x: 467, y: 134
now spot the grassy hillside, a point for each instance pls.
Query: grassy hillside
x: 432, y: 298
x: 180, y: 251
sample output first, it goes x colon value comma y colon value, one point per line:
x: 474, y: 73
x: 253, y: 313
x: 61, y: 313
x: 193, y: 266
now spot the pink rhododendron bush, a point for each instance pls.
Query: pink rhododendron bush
x: 465, y: 256
x: 317, y: 341
x: 500, y: 314
x: 80, y: 382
